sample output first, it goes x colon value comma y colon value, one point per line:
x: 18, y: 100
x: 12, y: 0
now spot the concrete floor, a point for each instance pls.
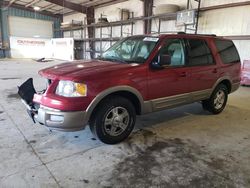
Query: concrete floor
x: 182, y: 147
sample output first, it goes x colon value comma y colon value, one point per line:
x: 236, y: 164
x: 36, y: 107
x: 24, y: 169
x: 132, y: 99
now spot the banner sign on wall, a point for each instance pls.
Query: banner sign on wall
x: 63, y: 48
x: 59, y: 48
x: 30, y: 47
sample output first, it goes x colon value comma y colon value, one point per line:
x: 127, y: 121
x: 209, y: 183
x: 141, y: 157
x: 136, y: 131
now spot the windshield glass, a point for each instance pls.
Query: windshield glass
x: 131, y: 50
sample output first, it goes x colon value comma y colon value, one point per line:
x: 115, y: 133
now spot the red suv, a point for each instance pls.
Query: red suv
x: 137, y: 75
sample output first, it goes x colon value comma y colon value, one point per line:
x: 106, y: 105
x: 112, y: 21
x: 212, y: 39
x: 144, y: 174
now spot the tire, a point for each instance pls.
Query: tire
x: 113, y: 120
x: 217, y: 101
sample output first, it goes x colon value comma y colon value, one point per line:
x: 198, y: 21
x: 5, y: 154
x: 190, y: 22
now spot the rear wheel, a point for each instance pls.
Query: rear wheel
x: 217, y: 101
x: 113, y: 120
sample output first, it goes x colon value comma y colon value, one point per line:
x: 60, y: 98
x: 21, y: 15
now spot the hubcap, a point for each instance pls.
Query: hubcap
x: 116, y: 121
x: 219, y: 99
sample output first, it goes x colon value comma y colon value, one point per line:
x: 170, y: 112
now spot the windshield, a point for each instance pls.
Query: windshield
x: 131, y: 50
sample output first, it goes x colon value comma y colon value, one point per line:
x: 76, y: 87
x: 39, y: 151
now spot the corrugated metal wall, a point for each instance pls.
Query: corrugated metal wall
x: 5, y: 12
x: 1, y: 51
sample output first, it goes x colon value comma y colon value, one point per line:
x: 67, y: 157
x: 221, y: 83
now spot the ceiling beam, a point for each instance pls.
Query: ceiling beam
x: 11, y: 2
x: 61, y: 11
x: 90, y: 3
x: 14, y: 5
x: 99, y: 5
x: 69, y: 5
x: 32, y: 3
x: 47, y: 7
x: 108, y: 3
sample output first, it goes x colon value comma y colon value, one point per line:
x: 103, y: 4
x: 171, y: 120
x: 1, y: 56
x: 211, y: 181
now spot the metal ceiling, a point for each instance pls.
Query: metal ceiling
x: 62, y: 7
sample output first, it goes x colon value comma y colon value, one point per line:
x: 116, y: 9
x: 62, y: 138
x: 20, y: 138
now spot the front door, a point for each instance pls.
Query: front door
x: 168, y: 87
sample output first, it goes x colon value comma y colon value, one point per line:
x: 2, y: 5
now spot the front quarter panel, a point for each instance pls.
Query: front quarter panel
x: 133, y: 76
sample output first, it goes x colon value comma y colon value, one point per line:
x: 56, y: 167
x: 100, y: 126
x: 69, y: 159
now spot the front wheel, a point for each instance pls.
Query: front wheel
x: 113, y: 120
x: 217, y: 101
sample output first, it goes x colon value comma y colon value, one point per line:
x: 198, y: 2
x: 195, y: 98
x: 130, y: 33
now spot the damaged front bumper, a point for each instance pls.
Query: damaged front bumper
x: 50, y: 117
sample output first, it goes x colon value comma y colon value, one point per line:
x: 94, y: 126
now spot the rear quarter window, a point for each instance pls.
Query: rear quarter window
x: 227, y: 51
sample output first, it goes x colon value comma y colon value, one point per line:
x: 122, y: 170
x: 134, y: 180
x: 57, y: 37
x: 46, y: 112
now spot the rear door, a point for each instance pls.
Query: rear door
x: 203, y: 69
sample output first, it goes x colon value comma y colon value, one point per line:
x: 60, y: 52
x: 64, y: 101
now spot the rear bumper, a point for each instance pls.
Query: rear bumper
x: 59, y: 120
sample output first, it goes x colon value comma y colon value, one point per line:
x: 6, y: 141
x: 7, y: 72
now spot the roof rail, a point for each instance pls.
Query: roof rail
x: 183, y: 33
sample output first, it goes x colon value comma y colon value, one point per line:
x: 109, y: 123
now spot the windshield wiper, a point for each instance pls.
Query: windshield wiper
x: 100, y: 58
x: 133, y: 61
x: 112, y: 58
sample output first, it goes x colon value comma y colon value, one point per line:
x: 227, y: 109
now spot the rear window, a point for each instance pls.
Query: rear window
x: 227, y: 51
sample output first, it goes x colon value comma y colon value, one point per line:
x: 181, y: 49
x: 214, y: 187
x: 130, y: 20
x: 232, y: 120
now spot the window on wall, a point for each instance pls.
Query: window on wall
x: 198, y: 53
x: 174, y: 48
x: 227, y: 51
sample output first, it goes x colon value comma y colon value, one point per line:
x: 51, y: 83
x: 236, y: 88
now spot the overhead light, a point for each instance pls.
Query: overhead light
x: 36, y: 8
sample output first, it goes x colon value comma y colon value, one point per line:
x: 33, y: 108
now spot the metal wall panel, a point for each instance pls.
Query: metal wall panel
x: 229, y: 22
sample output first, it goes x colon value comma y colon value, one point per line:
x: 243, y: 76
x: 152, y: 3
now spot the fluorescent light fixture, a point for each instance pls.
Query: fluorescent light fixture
x: 36, y: 36
x: 36, y: 8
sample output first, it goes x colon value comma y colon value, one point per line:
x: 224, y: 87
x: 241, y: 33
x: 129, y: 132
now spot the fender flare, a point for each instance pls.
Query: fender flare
x: 109, y: 91
x: 220, y: 80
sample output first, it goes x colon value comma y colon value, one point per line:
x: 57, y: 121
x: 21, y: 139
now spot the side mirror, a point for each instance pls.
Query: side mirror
x: 156, y: 66
x: 164, y: 60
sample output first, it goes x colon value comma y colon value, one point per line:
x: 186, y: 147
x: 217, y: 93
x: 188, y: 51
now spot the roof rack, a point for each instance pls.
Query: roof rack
x: 183, y: 33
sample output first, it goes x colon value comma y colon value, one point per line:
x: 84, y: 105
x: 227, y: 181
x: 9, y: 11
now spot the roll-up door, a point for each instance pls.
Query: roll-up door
x: 28, y: 27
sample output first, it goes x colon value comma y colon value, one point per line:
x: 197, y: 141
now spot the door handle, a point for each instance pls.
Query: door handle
x: 183, y: 74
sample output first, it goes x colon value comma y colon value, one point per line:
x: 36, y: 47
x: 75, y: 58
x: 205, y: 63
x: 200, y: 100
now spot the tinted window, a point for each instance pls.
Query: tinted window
x: 198, y: 52
x: 174, y: 49
x: 227, y: 51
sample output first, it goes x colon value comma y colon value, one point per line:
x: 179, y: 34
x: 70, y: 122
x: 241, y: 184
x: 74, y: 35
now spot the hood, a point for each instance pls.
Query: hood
x: 81, y: 69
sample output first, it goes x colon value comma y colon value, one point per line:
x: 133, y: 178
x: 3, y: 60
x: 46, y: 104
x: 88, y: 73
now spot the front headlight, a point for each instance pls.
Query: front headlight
x: 71, y: 89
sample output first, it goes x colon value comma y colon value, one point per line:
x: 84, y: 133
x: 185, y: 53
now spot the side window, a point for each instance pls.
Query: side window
x: 198, y: 53
x: 174, y: 48
x: 227, y: 51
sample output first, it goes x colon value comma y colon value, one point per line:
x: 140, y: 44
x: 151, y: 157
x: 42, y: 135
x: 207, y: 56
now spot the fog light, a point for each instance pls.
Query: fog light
x: 56, y: 118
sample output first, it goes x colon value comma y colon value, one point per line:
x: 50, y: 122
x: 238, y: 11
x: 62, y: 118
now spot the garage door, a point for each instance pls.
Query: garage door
x: 27, y: 27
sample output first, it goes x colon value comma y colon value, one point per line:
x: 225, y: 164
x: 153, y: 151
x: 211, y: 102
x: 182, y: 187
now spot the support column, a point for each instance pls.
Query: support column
x: 5, y: 52
x: 1, y: 38
x: 148, y: 11
x: 91, y: 31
